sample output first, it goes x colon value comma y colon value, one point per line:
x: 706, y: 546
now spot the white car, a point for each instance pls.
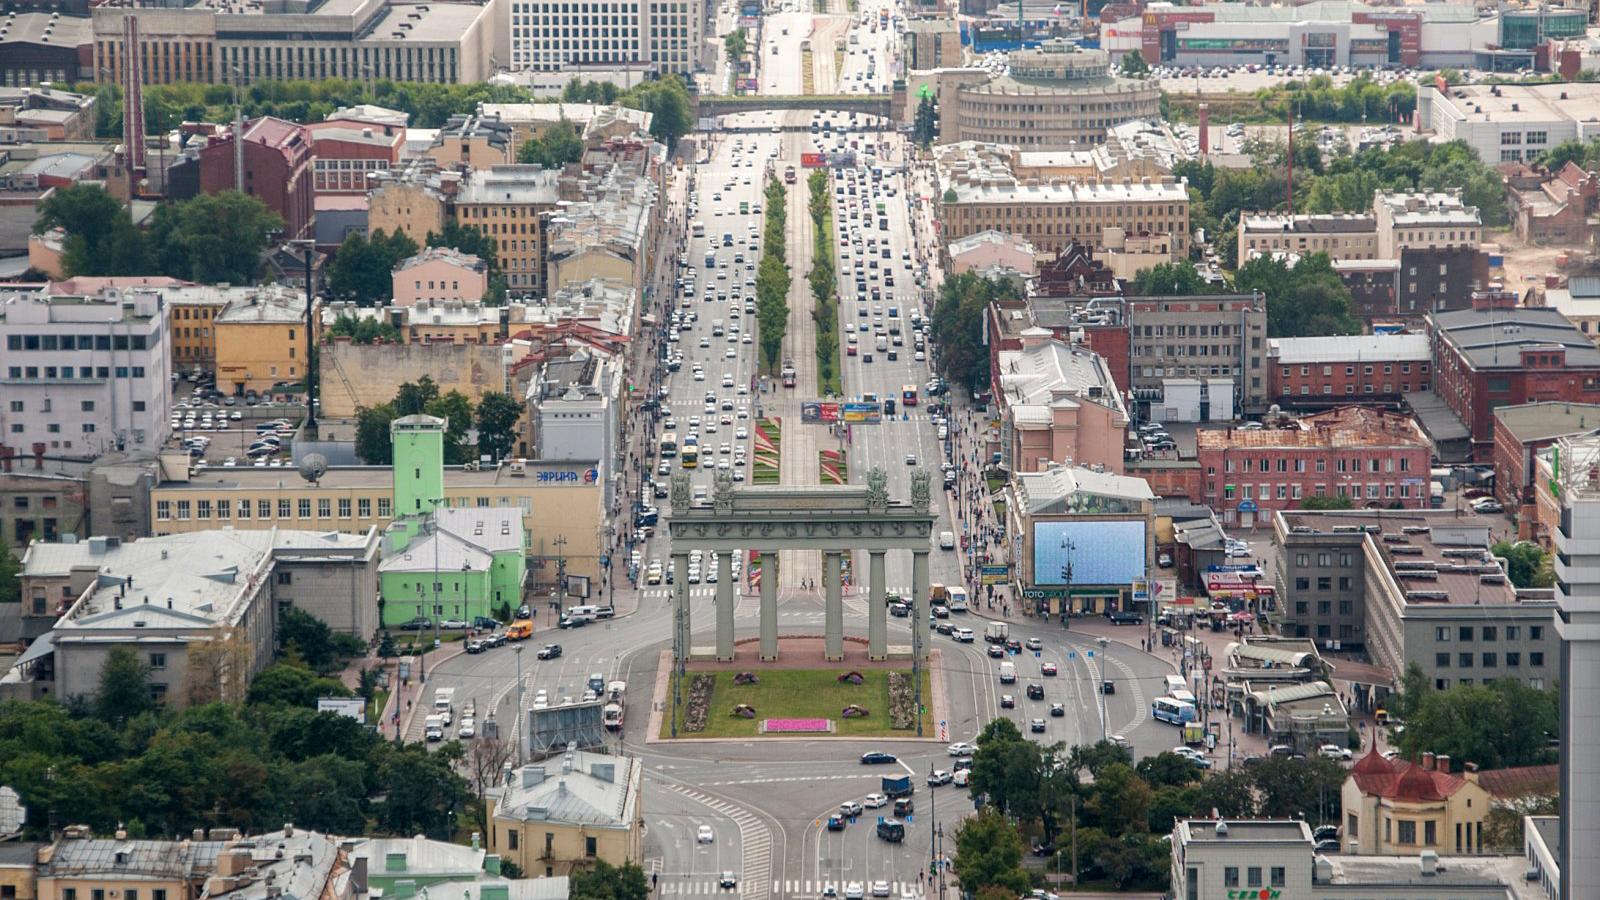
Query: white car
x: 874, y: 801
x: 880, y: 889
x: 959, y: 779
x: 854, y: 891
x: 963, y: 748
x: 1334, y: 751
x: 468, y: 728
x: 705, y: 835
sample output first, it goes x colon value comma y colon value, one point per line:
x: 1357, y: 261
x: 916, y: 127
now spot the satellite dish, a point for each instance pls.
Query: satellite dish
x: 12, y: 812
x: 313, y: 466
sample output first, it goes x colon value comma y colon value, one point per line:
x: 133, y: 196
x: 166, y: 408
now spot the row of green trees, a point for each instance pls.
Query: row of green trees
x: 772, y: 276
x: 956, y: 326
x: 495, y: 418
x: 116, y: 758
x: 210, y: 238
x: 429, y: 105
x: 824, y: 281
x: 558, y: 146
x: 1119, y: 814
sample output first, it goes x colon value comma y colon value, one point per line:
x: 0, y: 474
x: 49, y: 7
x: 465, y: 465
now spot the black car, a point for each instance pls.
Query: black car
x: 475, y: 646
x: 549, y: 651
x: 1008, y: 702
x: 836, y: 823
x: 946, y: 627
x: 996, y: 651
x: 1126, y: 617
x: 575, y: 622
x: 484, y: 623
x: 899, y: 610
x: 1035, y: 691
x: 1057, y: 710
x: 878, y: 758
x: 420, y: 623
x: 1036, y: 726
x: 1325, y: 833
x: 1108, y: 687
x: 524, y: 612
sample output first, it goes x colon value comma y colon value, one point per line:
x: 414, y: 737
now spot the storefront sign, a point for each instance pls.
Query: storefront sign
x: 995, y: 574
x: 567, y: 476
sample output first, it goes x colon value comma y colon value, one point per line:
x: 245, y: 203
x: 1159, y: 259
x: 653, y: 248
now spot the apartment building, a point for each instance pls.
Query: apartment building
x: 981, y: 192
x: 1055, y: 96
x: 932, y: 43
x: 1058, y: 403
x: 472, y: 141
x: 415, y: 201
x: 1424, y: 220
x: 85, y: 375
x: 261, y: 340
x: 1199, y: 358
x: 228, y: 41
x: 1413, y: 586
x: 438, y: 275
x: 1371, y: 456
x: 1368, y: 369
x: 512, y: 205
x: 553, y: 36
x: 277, y: 170
x: 1343, y: 236
x: 552, y: 817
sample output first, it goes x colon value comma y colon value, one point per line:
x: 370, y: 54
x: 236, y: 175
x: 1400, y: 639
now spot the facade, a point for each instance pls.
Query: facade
x: 1497, y: 356
x: 78, y: 865
x: 472, y: 141
x: 358, y: 40
x: 1553, y: 207
x: 1373, y: 457
x: 559, y: 501
x: 991, y: 248
x: 41, y: 47
x: 474, y: 558
x: 440, y: 275
x: 85, y: 375
x: 512, y: 206
x: 1412, y: 586
x: 200, y: 608
x: 1047, y: 508
x: 1402, y: 808
x: 1197, y: 359
x: 1430, y: 221
x: 346, y: 154
x: 1058, y: 404
x: 553, y: 816
x: 1343, y: 236
x: 932, y: 43
x: 1055, y: 96
x: 415, y: 201
x: 1579, y: 302
x: 1507, y: 123
x: 549, y: 36
x: 41, y: 112
x: 982, y: 193
x: 1231, y: 859
x: 192, y: 323
x: 574, y: 410
x: 261, y: 341
x: 1337, y: 371
x: 1521, y: 433
x: 277, y: 170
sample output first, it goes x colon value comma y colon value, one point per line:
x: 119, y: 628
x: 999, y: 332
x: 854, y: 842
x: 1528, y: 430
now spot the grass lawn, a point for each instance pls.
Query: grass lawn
x: 375, y: 706
x: 803, y: 693
x: 995, y: 484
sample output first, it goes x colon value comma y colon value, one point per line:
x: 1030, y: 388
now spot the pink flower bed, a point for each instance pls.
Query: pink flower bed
x: 798, y: 725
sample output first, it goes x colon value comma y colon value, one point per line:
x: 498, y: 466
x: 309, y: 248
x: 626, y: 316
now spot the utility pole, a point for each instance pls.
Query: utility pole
x: 517, y: 697
x: 1074, y: 808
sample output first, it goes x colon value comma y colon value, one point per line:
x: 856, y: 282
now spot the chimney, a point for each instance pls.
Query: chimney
x: 1427, y: 760
x: 288, y: 829
x: 1443, y: 762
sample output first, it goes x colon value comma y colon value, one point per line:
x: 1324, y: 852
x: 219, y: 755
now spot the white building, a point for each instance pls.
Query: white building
x: 1577, y: 569
x: 573, y: 411
x: 1510, y: 123
x: 1424, y: 220
x: 84, y: 375
x: 555, y: 35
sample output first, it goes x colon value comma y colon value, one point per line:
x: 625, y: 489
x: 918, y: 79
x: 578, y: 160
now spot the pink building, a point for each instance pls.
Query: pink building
x: 1059, y: 404
x: 440, y: 274
x: 988, y: 249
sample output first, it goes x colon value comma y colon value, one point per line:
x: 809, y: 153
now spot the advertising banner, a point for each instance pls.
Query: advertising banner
x: 817, y: 411
x: 862, y: 413
x: 995, y: 574
x: 813, y: 161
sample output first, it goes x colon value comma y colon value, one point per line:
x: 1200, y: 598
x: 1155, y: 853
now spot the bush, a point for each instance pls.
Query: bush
x: 902, y: 701
x: 699, y: 708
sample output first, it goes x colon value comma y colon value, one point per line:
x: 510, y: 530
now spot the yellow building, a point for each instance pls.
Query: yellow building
x: 561, y: 505
x: 261, y: 340
x: 511, y: 205
x: 1400, y: 808
x: 18, y: 880
x: 569, y: 811
x: 191, y: 322
x: 476, y: 142
x: 416, y: 202
x: 80, y: 867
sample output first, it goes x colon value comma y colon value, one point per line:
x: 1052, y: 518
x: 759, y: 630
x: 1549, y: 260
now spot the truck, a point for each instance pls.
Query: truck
x: 444, y: 703
x: 520, y: 630
x: 613, y: 711
x: 433, y: 728
x: 1008, y: 672
x: 997, y: 632
x: 938, y: 594
x: 898, y: 786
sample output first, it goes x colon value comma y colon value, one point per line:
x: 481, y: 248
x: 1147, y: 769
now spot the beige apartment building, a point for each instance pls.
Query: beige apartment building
x: 512, y: 205
x: 472, y: 141
x: 1057, y: 96
x: 568, y: 811
x: 933, y: 43
x: 1409, y: 221
x: 982, y: 194
x: 1340, y: 235
x: 560, y: 503
x: 416, y: 202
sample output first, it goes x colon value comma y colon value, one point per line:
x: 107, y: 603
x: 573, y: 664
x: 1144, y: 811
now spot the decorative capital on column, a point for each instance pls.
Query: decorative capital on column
x: 877, y: 490
x: 921, y: 490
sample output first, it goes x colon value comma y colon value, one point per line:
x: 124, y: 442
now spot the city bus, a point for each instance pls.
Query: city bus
x: 744, y: 207
x: 908, y: 395
x: 1174, y: 712
x: 669, y: 445
x: 690, y: 455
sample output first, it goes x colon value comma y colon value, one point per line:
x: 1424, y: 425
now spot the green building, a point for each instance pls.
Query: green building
x: 1526, y: 29
x: 442, y: 562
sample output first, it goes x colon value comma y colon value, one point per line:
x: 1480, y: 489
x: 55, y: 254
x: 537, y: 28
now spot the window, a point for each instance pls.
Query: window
x: 1513, y: 660
x: 1279, y: 876
x: 511, y: 839
x: 324, y: 508
x: 1464, y: 633
x: 87, y: 405
x: 1489, y: 633
x: 1441, y: 660
x: 303, y: 507
x: 364, y: 508
x: 158, y: 660
x: 1302, y: 584
x: 383, y: 507
x: 263, y: 509
x: 163, y: 510
x: 284, y: 509
x: 1230, y: 876
x: 1406, y: 832
x: 1430, y: 832
x: 1535, y: 632
x: 1253, y: 876
x: 244, y: 509
x: 344, y: 507
x: 183, y: 510
x: 1441, y: 634
x: 1490, y: 660
x: 589, y: 847
x: 1464, y: 660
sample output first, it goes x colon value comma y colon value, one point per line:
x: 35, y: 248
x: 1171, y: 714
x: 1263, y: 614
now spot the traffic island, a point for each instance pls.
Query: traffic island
x: 835, y: 468
x: 856, y: 699
x: 768, y: 439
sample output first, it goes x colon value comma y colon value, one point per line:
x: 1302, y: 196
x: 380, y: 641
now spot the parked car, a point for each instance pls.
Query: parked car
x: 420, y: 623
x: 878, y: 758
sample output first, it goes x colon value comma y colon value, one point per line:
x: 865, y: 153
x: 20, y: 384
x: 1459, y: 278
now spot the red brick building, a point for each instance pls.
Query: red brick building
x: 1374, y: 457
x: 1365, y: 369
x: 277, y: 170
x: 345, y: 154
x: 1498, y: 356
x: 1523, y: 430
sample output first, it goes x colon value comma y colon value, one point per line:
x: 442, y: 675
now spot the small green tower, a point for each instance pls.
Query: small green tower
x: 418, y: 464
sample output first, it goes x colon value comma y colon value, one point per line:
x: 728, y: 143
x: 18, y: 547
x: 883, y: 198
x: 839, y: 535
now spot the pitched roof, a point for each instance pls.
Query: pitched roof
x: 1522, y: 781
x: 1399, y: 779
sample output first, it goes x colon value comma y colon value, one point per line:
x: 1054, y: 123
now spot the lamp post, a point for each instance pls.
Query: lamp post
x: 1105, y: 644
x: 516, y: 651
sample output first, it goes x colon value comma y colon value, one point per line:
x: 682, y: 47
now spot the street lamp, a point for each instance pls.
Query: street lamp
x: 1105, y: 645
x: 517, y: 694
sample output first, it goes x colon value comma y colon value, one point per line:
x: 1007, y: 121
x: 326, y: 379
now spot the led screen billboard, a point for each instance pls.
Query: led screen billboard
x: 1100, y: 552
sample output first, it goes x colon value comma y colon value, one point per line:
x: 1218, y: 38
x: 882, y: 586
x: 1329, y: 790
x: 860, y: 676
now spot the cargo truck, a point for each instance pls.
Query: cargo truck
x: 433, y: 729
x: 895, y: 786
x: 444, y: 702
x: 612, y: 714
x: 997, y: 632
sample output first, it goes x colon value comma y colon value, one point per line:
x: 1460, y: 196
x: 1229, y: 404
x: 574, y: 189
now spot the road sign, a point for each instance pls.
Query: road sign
x: 1072, y: 654
x: 1088, y: 654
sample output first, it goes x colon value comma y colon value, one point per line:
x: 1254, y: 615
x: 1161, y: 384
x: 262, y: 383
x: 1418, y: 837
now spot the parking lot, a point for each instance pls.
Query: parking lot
x: 224, y: 431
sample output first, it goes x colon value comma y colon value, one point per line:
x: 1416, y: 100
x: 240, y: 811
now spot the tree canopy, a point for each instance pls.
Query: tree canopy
x: 1503, y: 723
x: 957, y: 326
x: 363, y: 269
x: 558, y: 146
x: 1303, y: 300
x: 1174, y: 279
x: 1526, y: 564
x: 373, y: 443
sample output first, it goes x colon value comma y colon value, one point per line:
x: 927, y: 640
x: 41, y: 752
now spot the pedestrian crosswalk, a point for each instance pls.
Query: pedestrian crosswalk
x: 703, y: 591
x: 755, y: 841
x: 698, y: 885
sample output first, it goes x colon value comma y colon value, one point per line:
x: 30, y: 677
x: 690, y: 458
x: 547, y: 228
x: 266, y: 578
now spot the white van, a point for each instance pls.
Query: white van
x: 947, y: 540
x: 1176, y: 683
x: 1008, y: 672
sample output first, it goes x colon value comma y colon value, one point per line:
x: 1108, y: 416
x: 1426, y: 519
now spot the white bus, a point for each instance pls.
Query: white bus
x: 669, y: 445
x: 698, y: 229
x: 1173, y: 712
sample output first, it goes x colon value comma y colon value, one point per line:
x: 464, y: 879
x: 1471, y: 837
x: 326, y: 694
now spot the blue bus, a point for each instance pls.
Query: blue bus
x: 1173, y: 712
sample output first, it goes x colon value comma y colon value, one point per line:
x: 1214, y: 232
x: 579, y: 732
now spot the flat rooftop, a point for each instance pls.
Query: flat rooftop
x: 1509, y: 104
x: 1494, y: 338
x: 1544, y: 421
x: 1347, y: 426
x: 1352, y: 348
x: 344, y: 477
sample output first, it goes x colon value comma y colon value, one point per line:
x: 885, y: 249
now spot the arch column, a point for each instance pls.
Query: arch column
x: 769, y: 605
x: 680, y: 611
x: 877, y: 614
x: 833, y: 607
x: 725, y: 611
x: 919, y: 591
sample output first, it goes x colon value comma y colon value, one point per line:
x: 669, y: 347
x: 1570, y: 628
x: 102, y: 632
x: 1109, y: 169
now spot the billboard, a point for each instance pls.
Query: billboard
x: 813, y: 161
x: 862, y: 413
x: 1098, y: 551
x: 575, y: 726
x: 349, y: 707
x: 818, y: 411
